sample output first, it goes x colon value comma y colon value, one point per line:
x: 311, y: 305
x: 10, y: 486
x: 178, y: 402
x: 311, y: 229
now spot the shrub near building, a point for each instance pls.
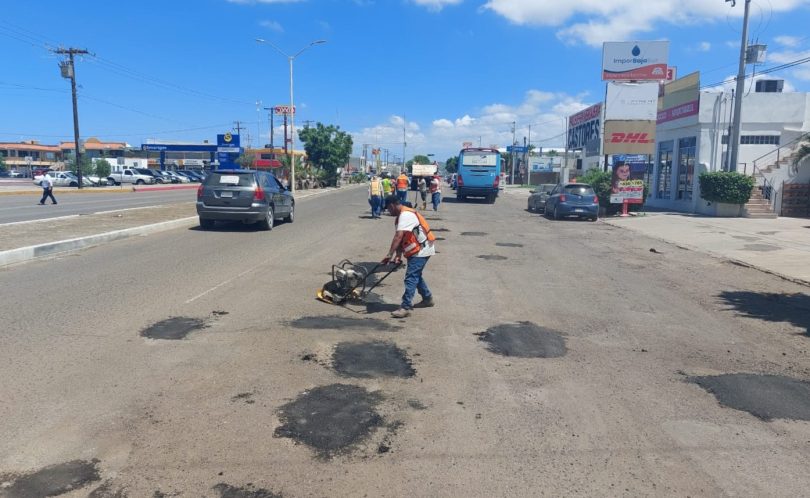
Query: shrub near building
x: 726, y: 186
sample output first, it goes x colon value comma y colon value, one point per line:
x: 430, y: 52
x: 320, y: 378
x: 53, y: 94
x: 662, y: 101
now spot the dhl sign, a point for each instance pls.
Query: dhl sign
x: 629, y: 137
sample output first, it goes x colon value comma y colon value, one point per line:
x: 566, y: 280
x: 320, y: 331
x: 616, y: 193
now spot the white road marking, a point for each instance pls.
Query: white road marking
x: 226, y: 282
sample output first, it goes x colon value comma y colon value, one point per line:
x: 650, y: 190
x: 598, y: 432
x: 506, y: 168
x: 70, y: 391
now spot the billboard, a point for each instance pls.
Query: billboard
x: 584, y: 127
x: 629, y: 137
x: 627, y: 181
x: 629, y: 101
x: 681, y: 101
x: 636, y: 61
x: 283, y: 109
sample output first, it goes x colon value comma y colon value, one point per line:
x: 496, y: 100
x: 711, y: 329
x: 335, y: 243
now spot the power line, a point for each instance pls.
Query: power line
x: 772, y: 69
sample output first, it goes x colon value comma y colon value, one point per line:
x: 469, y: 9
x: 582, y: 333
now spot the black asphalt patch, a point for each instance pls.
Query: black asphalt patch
x: 508, y: 244
x: 474, y: 234
x: 416, y: 404
x: 334, y: 322
x: 330, y: 419
x: 439, y: 230
x: 524, y: 340
x: 492, y: 257
x: 371, y: 359
x: 228, y: 491
x: 173, y: 329
x: 766, y: 397
x: 440, y: 238
x: 247, y: 398
x: 51, y: 481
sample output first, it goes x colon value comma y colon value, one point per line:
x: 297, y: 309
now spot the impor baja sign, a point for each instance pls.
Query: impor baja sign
x: 635, y: 61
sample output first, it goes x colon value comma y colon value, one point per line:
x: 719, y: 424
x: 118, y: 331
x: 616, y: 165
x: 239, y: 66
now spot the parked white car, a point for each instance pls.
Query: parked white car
x: 64, y: 179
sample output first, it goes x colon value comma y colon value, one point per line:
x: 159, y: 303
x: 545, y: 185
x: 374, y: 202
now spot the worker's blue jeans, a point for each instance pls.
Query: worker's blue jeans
x: 437, y: 199
x: 414, y: 282
x: 376, y: 206
x: 403, y: 195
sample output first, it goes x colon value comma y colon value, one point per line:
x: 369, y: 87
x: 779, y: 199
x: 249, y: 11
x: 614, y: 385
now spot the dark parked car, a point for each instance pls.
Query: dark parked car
x: 246, y: 196
x: 572, y: 199
x: 537, y: 199
x: 157, y: 177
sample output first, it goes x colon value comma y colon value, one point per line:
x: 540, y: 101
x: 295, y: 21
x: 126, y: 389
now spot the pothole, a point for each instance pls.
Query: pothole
x: 371, y: 359
x: 491, y: 257
x: 173, y: 329
x: 51, y: 481
x: 524, y: 340
x: 330, y: 419
x: 248, y: 491
x: 766, y: 397
x: 508, y: 244
x: 474, y: 234
x: 339, y: 323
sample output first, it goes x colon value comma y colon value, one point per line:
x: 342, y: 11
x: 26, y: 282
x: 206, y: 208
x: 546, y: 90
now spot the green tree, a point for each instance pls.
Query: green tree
x: 246, y: 161
x: 103, y: 168
x: 328, y: 148
x: 451, y: 165
x: 2, y: 165
x: 802, y: 152
x: 421, y: 159
x: 87, y: 165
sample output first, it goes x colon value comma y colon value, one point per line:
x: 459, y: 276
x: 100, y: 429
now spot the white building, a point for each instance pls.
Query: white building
x: 694, y: 139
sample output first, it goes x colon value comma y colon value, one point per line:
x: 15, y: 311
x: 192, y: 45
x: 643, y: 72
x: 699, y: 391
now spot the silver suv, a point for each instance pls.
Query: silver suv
x: 246, y: 196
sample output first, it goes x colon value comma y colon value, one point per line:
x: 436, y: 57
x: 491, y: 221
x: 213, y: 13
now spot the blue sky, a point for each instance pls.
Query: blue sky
x: 448, y: 71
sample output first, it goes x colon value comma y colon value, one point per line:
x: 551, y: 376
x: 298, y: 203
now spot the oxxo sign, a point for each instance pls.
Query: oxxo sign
x: 283, y: 109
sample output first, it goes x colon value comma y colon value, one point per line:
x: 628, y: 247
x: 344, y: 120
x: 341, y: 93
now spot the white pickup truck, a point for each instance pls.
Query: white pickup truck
x: 63, y: 179
x: 130, y: 175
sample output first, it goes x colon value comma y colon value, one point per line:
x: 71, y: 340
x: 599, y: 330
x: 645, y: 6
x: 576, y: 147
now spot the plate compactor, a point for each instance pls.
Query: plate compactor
x: 350, y: 283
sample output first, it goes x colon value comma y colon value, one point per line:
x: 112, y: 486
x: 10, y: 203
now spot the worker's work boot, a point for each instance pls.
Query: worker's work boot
x: 401, y: 313
x: 427, y: 303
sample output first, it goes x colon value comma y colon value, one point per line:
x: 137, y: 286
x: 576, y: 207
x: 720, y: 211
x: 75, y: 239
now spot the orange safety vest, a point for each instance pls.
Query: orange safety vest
x: 410, y: 242
x: 402, y: 182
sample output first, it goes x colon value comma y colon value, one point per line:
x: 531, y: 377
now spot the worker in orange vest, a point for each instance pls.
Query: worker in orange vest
x: 402, y: 187
x: 413, y: 240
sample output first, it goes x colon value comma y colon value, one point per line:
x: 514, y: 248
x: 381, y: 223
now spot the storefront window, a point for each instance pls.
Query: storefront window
x: 664, y: 179
x: 686, y: 167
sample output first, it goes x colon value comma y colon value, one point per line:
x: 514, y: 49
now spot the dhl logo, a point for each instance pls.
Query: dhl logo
x: 630, y: 138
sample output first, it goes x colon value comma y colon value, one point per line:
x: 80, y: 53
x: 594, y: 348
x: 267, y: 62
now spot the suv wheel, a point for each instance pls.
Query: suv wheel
x: 291, y: 217
x: 139, y: 182
x: 267, y: 222
x: 206, y: 224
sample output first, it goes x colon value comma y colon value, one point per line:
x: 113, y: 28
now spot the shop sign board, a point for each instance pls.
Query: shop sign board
x: 629, y: 137
x: 585, y: 126
x: 627, y: 181
x: 628, y: 101
x: 635, y: 61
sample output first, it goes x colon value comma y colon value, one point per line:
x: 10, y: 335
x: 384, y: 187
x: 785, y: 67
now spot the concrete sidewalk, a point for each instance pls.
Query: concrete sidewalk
x: 23, y: 241
x: 780, y: 247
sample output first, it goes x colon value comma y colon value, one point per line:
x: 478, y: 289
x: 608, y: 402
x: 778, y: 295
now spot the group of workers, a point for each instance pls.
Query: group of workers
x: 413, y: 240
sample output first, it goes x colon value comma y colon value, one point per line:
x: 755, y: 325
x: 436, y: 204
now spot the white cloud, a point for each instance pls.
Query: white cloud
x: 436, y: 5
x: 491, y: 125
x: 595, y: 21
x: 272, y: 26
x: 788, y: 41
x: 704, y: 46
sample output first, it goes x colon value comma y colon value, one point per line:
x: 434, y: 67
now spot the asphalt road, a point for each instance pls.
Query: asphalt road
x: 562, y: 358
x: 22, y: 207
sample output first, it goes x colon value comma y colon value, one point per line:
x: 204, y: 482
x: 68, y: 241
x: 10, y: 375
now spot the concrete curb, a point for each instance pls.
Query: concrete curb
x: 22, y: 254
x: 715, y: 255
x: 150, y: 188
x: 73, y: 190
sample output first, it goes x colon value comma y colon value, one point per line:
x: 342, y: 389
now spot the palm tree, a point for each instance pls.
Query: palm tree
x: 802, y: 152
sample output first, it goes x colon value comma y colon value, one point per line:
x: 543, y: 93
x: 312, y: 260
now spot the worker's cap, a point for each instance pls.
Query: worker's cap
x: 390, y: 200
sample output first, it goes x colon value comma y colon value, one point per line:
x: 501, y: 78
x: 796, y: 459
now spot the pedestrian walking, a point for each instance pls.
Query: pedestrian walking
x: 436, y: 192
x: 47, y: 189
x: 375, y: 196
x: 423, y: 188
x: 414, y: 241
x: 402, y: 187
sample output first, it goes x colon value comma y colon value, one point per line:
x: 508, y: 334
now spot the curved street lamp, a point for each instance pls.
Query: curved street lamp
x: 291, y: 58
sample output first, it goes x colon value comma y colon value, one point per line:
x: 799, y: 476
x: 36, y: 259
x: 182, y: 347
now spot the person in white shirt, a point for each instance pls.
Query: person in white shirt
x: 47, y: 189
x: 436, y: 192
x: 413, y: 240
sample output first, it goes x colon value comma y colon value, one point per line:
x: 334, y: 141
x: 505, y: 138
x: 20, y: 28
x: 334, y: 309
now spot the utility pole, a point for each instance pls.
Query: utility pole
x: 259, y: 144
x: 271, y: 109
x: 238, y: 127
x: 734, y: 139
x: 69, y: 71
x: 404, y: 141
x: 513, y: 152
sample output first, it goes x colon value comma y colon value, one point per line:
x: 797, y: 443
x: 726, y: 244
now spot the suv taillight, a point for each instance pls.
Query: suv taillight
x: 562, y: 197
x: 595, y: 200
x: 497, y: 181
x: 258, y: 194
x: 459, y: 180
x: 200, y: 191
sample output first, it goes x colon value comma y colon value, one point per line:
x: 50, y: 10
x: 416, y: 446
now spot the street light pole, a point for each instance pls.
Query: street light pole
x: 291, y: 58
x: 734, y: 139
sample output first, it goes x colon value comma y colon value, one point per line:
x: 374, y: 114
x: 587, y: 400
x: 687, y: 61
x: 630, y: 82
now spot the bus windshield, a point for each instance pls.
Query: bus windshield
x: 489, y: 159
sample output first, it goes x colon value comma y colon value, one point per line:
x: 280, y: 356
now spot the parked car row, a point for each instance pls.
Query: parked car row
x: 560, y: 201
x: 134, y: 176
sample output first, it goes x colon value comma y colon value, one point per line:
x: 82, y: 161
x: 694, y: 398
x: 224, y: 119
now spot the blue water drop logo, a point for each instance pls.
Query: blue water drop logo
x: 636, y: 51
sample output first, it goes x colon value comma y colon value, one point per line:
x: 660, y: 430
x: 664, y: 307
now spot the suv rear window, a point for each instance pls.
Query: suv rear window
x: 579, y: 190
x: 233, y: 179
